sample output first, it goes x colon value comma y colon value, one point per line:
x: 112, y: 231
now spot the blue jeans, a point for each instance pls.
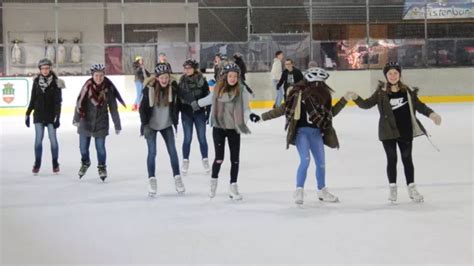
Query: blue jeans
x: 39, y: 134
x: 139, y: 88
x: 84, y: 144
x: 280, y: 92
x: 199, y: 121
x: 168, y: 137
x: 310, y: 139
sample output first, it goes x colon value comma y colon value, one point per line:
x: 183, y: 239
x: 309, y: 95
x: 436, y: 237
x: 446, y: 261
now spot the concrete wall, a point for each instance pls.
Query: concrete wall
x: 153, y: 13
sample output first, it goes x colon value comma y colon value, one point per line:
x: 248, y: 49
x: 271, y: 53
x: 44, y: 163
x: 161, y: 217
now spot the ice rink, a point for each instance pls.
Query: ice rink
x: 58, y: 219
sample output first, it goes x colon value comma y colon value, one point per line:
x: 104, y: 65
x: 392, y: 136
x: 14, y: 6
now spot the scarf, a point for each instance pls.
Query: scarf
x: 218, y: 116
x: 44, y: 82
x: 97, y: 94
x: 317, y: 112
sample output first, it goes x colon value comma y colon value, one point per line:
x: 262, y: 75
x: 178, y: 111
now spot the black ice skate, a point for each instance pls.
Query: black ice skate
x: 83, y: 169
x: 102, y: 172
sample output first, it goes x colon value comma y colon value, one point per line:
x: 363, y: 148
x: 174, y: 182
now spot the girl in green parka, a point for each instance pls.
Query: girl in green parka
x: 398, y: 125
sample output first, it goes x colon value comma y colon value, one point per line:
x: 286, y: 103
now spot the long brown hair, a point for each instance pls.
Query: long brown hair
x: 319, y: 91
x: 222, y: 87
x: 166, y: 91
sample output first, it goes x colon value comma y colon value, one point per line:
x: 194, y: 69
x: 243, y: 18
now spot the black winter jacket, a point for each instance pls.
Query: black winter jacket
x: 192, y: 89
x: 146, y: 110
x: 47, y: 104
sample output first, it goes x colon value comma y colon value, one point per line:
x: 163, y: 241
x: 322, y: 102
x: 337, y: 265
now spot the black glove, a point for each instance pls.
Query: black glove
x: 208, y: 114
x: 142, y: 129
x: 147, y: 131
x: 56, y: 122
x: 195, y: 106
x: 254, y: 118
x: 27, y: 120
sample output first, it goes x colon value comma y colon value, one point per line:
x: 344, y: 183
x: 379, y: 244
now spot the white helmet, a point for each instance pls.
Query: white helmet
x: 316, y: 74
x: 97, y: 68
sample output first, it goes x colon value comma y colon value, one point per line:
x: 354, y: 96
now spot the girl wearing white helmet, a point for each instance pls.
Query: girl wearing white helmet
x: 140, y: 75
x: 229, y: 113
x: 398, y: 125
x: 159, y: 113
x: 309, y: 114
x: 45, y: 100
x: 98, y: 96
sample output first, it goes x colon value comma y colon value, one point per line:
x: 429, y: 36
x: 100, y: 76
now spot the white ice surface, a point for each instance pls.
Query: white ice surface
x: 58, y: 219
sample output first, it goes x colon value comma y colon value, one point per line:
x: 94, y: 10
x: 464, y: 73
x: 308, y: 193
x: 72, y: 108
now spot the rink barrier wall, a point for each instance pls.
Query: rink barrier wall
x: 448, y: 85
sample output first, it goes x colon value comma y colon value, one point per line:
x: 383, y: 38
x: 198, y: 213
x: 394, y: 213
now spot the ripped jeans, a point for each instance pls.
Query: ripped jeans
x: 219, y: 135
x: 310, y: 139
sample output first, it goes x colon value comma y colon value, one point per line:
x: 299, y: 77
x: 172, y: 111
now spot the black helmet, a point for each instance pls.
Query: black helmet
x: 237, y: 55
x: 231, y: 67
x: 162, y: 68
x: 191, y: 62
x: 392, y: 65
x: 45, y: 62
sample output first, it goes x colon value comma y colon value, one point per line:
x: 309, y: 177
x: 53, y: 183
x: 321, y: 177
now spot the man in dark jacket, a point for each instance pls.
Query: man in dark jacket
x: 46, y: 101
x: 290, y: 76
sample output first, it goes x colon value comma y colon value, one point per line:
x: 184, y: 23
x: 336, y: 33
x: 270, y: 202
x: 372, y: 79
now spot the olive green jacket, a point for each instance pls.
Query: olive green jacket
x: 387, y: 124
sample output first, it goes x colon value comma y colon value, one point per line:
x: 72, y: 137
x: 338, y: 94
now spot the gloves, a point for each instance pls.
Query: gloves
x: 117, y: 131
x: 350, y: 96
x: 436, y: 118
x: 254, y: 118
x: 195, y: 106
x: 211, y: 82
x: 147, y: 131
x: 27, y: 120
x: 56, y: 122
x: 142, y: 129
x: 61, y: 84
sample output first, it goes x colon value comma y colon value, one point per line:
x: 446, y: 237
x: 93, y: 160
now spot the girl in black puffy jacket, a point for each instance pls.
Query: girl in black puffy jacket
x: 46, y: 102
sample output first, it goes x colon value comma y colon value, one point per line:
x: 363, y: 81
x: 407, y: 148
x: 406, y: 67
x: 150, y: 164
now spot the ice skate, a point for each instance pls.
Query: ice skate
x: 324, y: 195
x: 299, y: 195
x: 184, y: 169
x: 83, y: 169
x: 152, y: 187
x: 205, y: 164
x: 414, y: 194
x: 102, y: 172
x: 234, y: 192
x: 212, y: 192
x: 179, y: 185
x: 393, y: 193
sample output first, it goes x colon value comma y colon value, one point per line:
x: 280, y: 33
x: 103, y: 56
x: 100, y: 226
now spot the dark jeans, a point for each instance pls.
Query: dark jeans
x: 168, y: 137
x: 219, y: 135
x: 84, y: 144
x: 405, y: 146
x: 199, y: 121
x: 39, y: 135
